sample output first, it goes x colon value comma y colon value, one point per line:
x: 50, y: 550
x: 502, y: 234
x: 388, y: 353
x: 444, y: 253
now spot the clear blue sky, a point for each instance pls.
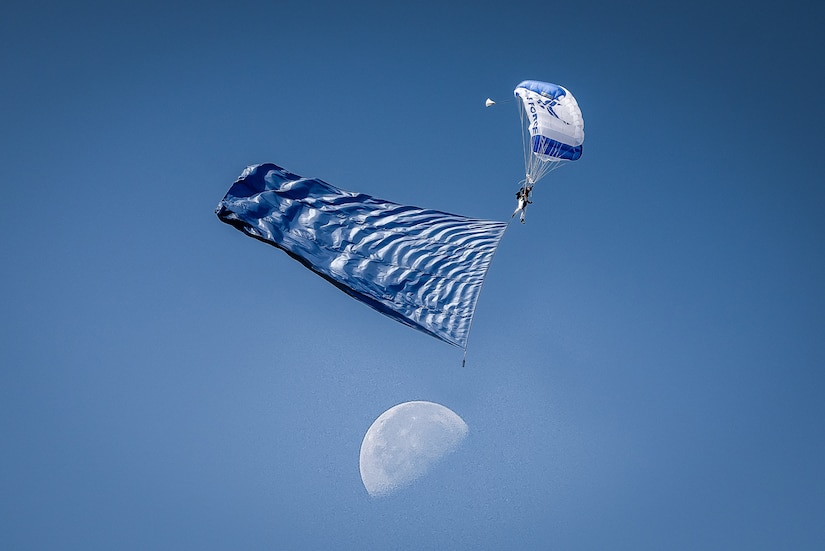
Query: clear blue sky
x: 646, y: 364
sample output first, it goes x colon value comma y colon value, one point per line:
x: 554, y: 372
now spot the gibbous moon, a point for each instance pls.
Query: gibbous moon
x: 405, y: 441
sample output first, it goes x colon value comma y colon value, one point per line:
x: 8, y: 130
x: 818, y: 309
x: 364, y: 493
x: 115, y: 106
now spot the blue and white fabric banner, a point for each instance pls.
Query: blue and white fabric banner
x: 421, y: 267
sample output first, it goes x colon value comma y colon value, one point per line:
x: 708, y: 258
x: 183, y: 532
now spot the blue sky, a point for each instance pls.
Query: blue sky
x: 646, y: 364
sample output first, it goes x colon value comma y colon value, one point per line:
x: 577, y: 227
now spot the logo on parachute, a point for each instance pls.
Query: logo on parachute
x: 537, y: 103
x: 548, y: 105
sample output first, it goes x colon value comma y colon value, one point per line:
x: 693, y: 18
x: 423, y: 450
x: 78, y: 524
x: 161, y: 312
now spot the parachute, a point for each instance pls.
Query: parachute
x: 423, y: 268
x: 553, y: 127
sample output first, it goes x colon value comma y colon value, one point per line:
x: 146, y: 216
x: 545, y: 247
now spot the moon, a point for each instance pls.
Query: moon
x: 405, y: 441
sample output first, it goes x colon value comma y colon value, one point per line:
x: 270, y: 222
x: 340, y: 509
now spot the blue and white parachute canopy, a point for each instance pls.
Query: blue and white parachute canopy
x: 423, y: 268
x: 553, y: 127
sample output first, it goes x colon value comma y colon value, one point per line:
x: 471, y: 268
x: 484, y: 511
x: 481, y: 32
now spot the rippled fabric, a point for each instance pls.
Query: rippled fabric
x: 421, y: 267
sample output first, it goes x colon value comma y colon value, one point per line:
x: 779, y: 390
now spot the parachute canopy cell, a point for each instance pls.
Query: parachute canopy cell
x: 423, y: 268
x: 553, y: 126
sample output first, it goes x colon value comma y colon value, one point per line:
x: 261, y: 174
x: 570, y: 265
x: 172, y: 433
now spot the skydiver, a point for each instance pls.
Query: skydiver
x: 523, y: 197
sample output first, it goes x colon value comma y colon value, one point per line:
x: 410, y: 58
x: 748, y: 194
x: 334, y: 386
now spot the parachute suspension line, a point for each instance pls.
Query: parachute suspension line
x: 525, y: 138
x: 535, y: 168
